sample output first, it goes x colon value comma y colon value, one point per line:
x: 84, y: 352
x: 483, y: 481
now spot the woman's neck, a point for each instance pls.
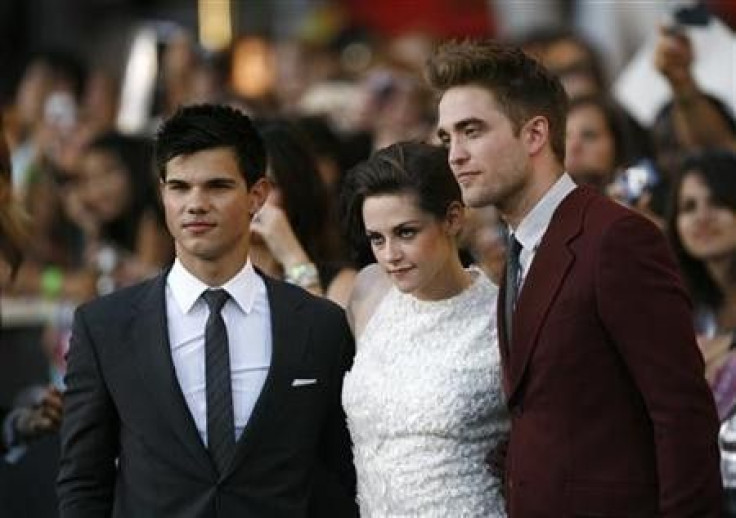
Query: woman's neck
x: 453, y: 280
x: 720, y: 270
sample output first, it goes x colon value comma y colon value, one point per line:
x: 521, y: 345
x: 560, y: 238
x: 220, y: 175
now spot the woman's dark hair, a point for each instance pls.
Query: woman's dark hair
x: 717, y: 168
x: 403, y: 168
x: 134, y: 154
x: 305, y: 199
x: 321, y: 137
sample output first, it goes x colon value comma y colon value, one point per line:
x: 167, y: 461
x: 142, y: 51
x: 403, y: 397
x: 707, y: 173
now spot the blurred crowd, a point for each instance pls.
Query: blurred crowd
x: 91, y: 195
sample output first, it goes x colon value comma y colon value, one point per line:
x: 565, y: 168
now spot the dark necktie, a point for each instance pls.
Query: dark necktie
x: 512, y: 283
x: 220, y: 420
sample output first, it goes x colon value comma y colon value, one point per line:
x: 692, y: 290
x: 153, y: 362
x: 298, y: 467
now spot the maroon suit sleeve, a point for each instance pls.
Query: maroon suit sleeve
x: 646, y: 311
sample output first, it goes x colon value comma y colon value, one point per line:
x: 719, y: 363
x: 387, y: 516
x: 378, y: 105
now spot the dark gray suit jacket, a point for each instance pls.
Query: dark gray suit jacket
x: 129, y: 444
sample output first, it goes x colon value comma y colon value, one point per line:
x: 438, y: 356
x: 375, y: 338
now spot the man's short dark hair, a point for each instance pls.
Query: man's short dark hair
x: 208, y: 126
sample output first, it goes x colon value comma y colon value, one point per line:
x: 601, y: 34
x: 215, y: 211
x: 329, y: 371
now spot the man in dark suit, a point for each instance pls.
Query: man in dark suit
x: 210, y: 390
x: 611, y: 415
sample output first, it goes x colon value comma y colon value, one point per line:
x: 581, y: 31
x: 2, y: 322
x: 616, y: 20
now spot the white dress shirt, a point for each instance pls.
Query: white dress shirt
x: 247, y: 318
x: 531, y: 230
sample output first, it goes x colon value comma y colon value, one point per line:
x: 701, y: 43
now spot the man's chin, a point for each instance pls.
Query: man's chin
x: 474, y: 199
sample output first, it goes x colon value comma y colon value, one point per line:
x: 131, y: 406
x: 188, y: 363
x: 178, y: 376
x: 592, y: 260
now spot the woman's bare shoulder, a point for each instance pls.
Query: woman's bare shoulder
x: 371, y: 285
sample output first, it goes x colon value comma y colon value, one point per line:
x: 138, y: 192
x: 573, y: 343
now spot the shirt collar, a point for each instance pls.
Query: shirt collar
x: 187, y: 289
x: 531, y: 229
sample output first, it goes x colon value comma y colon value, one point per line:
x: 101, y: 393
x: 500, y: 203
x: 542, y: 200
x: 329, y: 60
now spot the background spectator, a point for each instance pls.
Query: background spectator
x: 702, y: 229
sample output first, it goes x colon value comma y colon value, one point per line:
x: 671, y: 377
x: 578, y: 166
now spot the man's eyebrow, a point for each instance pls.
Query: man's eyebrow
x: 464, y: 123
x: 460, y: 125
x: 220, y: 180
x: 217, y: 180
x: 178, y: 181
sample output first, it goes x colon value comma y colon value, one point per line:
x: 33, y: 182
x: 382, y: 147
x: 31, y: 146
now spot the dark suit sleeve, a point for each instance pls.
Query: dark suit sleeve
x: 3, y: 414
x: 334, y: 481
x: 89, y: 432
x: 646, y: 312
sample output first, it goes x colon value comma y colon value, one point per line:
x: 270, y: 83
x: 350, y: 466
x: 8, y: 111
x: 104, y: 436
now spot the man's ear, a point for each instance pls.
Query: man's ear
x: 535, y: 134
x: 258, y: 194
x: 454, y: 218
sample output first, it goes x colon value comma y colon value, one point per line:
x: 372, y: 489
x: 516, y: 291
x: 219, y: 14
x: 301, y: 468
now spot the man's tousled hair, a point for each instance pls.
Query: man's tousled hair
x: 521, y: 86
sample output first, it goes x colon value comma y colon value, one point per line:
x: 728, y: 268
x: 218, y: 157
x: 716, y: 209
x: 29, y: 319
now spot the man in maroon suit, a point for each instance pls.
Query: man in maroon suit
x: 611, y: 414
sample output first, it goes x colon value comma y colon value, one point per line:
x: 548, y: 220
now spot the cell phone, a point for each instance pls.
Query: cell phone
x: 60, y: 110
x: 696, y: 15
x: 688, y: 16
x: 634, y: 181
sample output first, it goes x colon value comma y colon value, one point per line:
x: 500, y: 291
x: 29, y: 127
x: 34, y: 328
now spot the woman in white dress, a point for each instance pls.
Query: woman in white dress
x: 423, y: 398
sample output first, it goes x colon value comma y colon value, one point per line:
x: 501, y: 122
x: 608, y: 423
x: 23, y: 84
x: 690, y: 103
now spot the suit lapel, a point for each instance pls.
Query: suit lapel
x: 289, y: 332
x: 150, y: 343
x: 549, y: 268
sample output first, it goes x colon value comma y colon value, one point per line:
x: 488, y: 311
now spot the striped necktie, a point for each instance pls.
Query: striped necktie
x: 220, y: 419
x: 512, y: 283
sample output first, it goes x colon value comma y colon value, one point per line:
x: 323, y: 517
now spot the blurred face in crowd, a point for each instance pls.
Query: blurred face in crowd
x: 412, y: 246
x: 104, y: 185
x: 208, y: 209
x: 590, y: 143
x: 489, y: 161
x: 707, y: 229
x: 572, y: 64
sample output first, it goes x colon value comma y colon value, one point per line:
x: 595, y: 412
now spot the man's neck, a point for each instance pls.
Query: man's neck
x: 214, y: 274
x: 517, y: 208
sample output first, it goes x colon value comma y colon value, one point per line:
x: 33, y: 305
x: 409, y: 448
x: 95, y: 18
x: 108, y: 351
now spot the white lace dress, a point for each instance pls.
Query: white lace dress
x: 424, y: 406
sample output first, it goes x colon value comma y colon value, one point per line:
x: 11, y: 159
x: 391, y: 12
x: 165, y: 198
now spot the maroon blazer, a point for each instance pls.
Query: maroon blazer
x: 611, y: 414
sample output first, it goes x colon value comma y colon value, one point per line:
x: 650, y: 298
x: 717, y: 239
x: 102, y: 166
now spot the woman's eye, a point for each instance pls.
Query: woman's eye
x: 687, y: 206
x: 375, y: 240
x: 406, y: 233
x: 589, y: 135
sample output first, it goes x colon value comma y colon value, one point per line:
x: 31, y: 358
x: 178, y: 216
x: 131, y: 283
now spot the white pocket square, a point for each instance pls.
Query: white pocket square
x: 300, y: 382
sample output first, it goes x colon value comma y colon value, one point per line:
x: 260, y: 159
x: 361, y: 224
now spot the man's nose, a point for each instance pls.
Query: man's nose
x: 197, y: 202
x: 457, y: 153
